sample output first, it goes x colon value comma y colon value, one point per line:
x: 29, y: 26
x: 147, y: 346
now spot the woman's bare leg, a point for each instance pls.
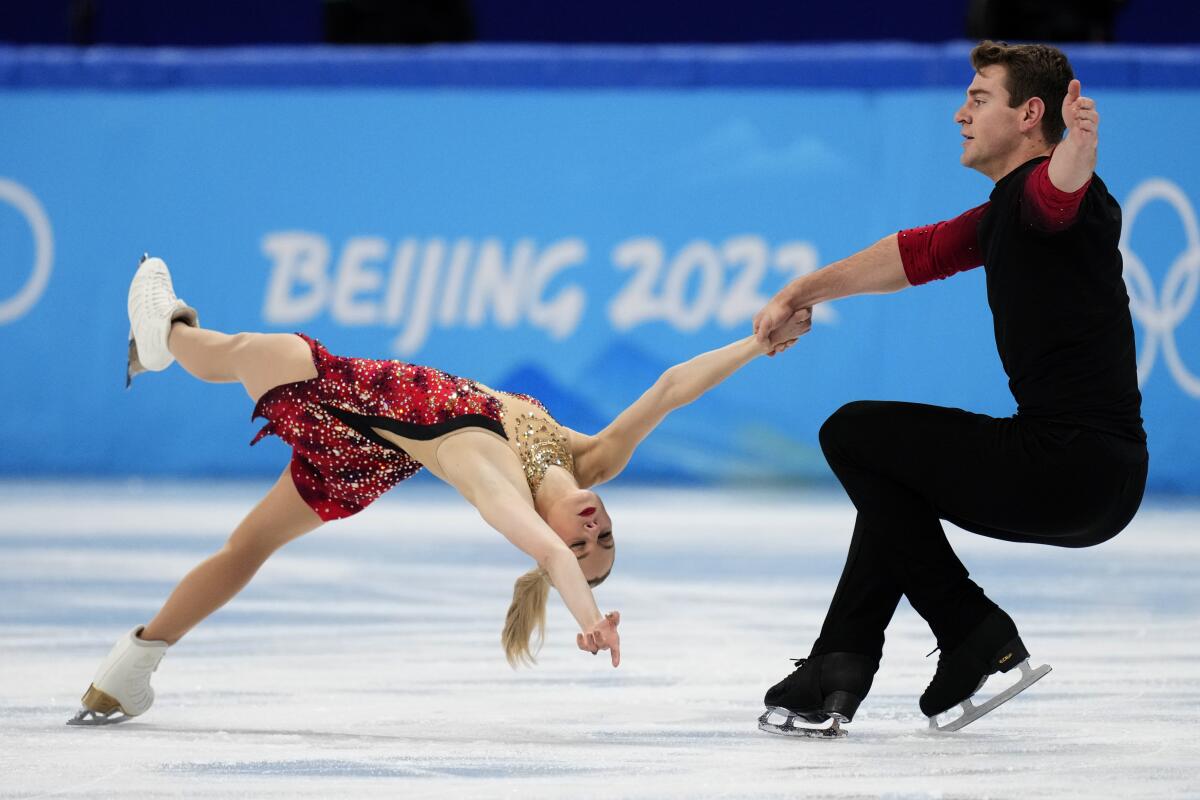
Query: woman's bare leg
x: 280, y: 517
x: 259, y: 361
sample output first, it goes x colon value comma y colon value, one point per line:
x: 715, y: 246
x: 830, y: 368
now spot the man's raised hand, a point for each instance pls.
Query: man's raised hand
x: 1073, y: 161
x: 1080, y: 115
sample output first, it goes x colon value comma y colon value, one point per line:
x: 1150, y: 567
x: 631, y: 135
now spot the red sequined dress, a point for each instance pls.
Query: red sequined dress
x: 340, y: 465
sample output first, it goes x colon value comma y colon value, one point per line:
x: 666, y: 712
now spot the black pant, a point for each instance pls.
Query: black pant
x: 906, y: 467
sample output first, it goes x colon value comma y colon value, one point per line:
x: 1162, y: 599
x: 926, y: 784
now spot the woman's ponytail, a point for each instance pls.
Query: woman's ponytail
x: 527, y: 613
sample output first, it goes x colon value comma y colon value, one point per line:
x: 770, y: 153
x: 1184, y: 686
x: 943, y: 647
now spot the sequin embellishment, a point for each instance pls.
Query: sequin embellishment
x: 541, y: 444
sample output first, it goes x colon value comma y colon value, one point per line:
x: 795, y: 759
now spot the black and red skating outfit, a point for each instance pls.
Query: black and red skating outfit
x: 1068, y: 469
x: 340, y: 465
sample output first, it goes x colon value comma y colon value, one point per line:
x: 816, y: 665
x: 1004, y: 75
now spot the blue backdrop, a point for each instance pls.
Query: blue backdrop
x: 538, y: 224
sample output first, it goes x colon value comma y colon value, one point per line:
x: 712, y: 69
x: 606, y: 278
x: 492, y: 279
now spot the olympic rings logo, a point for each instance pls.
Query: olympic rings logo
x: 23, y: 200
x: 1161, y: 314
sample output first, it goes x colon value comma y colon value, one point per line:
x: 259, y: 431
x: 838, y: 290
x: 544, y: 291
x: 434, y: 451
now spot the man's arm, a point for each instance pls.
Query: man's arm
x: 876, y: 270
x: 908, y: 258
x: 1054, y: 191
x: 1074, y: 160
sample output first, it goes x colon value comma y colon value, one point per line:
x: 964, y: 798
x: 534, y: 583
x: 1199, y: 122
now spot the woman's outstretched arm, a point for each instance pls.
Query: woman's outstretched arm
x: 611, y: 449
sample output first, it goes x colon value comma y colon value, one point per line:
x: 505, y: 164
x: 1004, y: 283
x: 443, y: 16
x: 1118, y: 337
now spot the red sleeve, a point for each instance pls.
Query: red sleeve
x: 937, y: 251
x: 1045, y: 206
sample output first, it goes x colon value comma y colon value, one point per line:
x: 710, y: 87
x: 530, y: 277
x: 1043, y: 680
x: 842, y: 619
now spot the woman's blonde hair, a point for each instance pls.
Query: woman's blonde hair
x: 527, y: 613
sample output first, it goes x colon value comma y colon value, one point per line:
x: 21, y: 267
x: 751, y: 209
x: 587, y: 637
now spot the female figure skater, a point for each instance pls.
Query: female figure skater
x: 358, y: 427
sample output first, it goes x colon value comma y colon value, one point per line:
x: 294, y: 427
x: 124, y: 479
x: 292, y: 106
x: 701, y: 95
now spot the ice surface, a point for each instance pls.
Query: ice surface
x: 363, y: 661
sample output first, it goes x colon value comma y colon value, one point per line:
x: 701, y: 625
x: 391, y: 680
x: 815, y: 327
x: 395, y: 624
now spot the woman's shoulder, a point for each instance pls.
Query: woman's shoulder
x: 587, y: 452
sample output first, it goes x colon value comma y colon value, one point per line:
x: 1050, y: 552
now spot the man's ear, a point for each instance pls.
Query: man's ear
x: 1031, y: 115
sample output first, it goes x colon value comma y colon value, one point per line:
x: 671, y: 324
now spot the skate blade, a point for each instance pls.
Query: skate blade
x: 789, y: 727
x: 972, y: 712
x: 99, y: 708
x: 88, y: 718
x: 133, y: 366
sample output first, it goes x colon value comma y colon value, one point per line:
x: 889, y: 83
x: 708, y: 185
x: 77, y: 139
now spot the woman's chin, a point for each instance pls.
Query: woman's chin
x: 584, y: 498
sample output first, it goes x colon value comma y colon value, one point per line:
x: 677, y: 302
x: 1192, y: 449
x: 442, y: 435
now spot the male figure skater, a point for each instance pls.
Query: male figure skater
x: 1068, y: 469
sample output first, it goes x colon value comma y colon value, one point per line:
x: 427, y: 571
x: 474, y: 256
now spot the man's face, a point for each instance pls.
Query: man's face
x: 991, y: 130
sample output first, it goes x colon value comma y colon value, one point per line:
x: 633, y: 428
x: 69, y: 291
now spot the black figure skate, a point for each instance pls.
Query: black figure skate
x: 821, y: 688
x: 993, y: 646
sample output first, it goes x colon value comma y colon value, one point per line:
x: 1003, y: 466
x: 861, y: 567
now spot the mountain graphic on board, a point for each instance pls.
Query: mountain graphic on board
x: 625, y: 370
x: 571, y: 408
x: 710, y: 441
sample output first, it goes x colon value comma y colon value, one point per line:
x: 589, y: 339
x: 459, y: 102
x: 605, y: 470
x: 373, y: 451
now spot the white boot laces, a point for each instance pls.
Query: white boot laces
x: 158, y: 297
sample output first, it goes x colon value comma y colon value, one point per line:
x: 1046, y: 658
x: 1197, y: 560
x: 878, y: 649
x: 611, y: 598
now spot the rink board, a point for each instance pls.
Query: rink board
x: 562, y: 221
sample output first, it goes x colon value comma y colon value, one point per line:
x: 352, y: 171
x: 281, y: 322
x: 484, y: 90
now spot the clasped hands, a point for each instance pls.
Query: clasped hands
x: 776, y: 327
x: 781, y: 322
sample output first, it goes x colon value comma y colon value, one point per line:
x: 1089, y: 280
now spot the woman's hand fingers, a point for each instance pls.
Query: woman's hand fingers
x: 605, y: 631
x: 610, y: 638
x: 603, y: 636
x: 779, y: 348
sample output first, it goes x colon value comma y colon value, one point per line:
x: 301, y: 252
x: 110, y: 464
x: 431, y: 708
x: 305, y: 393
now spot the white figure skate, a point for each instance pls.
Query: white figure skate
x: 121, y: 688
x: 153, y: 307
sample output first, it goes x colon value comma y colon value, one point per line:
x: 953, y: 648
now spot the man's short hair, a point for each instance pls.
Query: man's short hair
x: 1034, y: 70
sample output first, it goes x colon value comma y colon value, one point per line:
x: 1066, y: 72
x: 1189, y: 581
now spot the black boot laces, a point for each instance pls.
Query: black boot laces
x: 937, y: 673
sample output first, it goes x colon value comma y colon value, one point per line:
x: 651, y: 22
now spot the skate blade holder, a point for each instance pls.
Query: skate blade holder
x: 133, y: 368
x: 789, y: 727
x: 86, y: 717
x: 972, y: 712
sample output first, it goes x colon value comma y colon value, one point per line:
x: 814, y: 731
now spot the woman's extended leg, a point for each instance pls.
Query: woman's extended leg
x: 259, y: 361
x: 280, y: 517
x: 121, y: 687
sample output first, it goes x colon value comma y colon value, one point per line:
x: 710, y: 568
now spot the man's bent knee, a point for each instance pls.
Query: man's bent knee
x: 849, y: 425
